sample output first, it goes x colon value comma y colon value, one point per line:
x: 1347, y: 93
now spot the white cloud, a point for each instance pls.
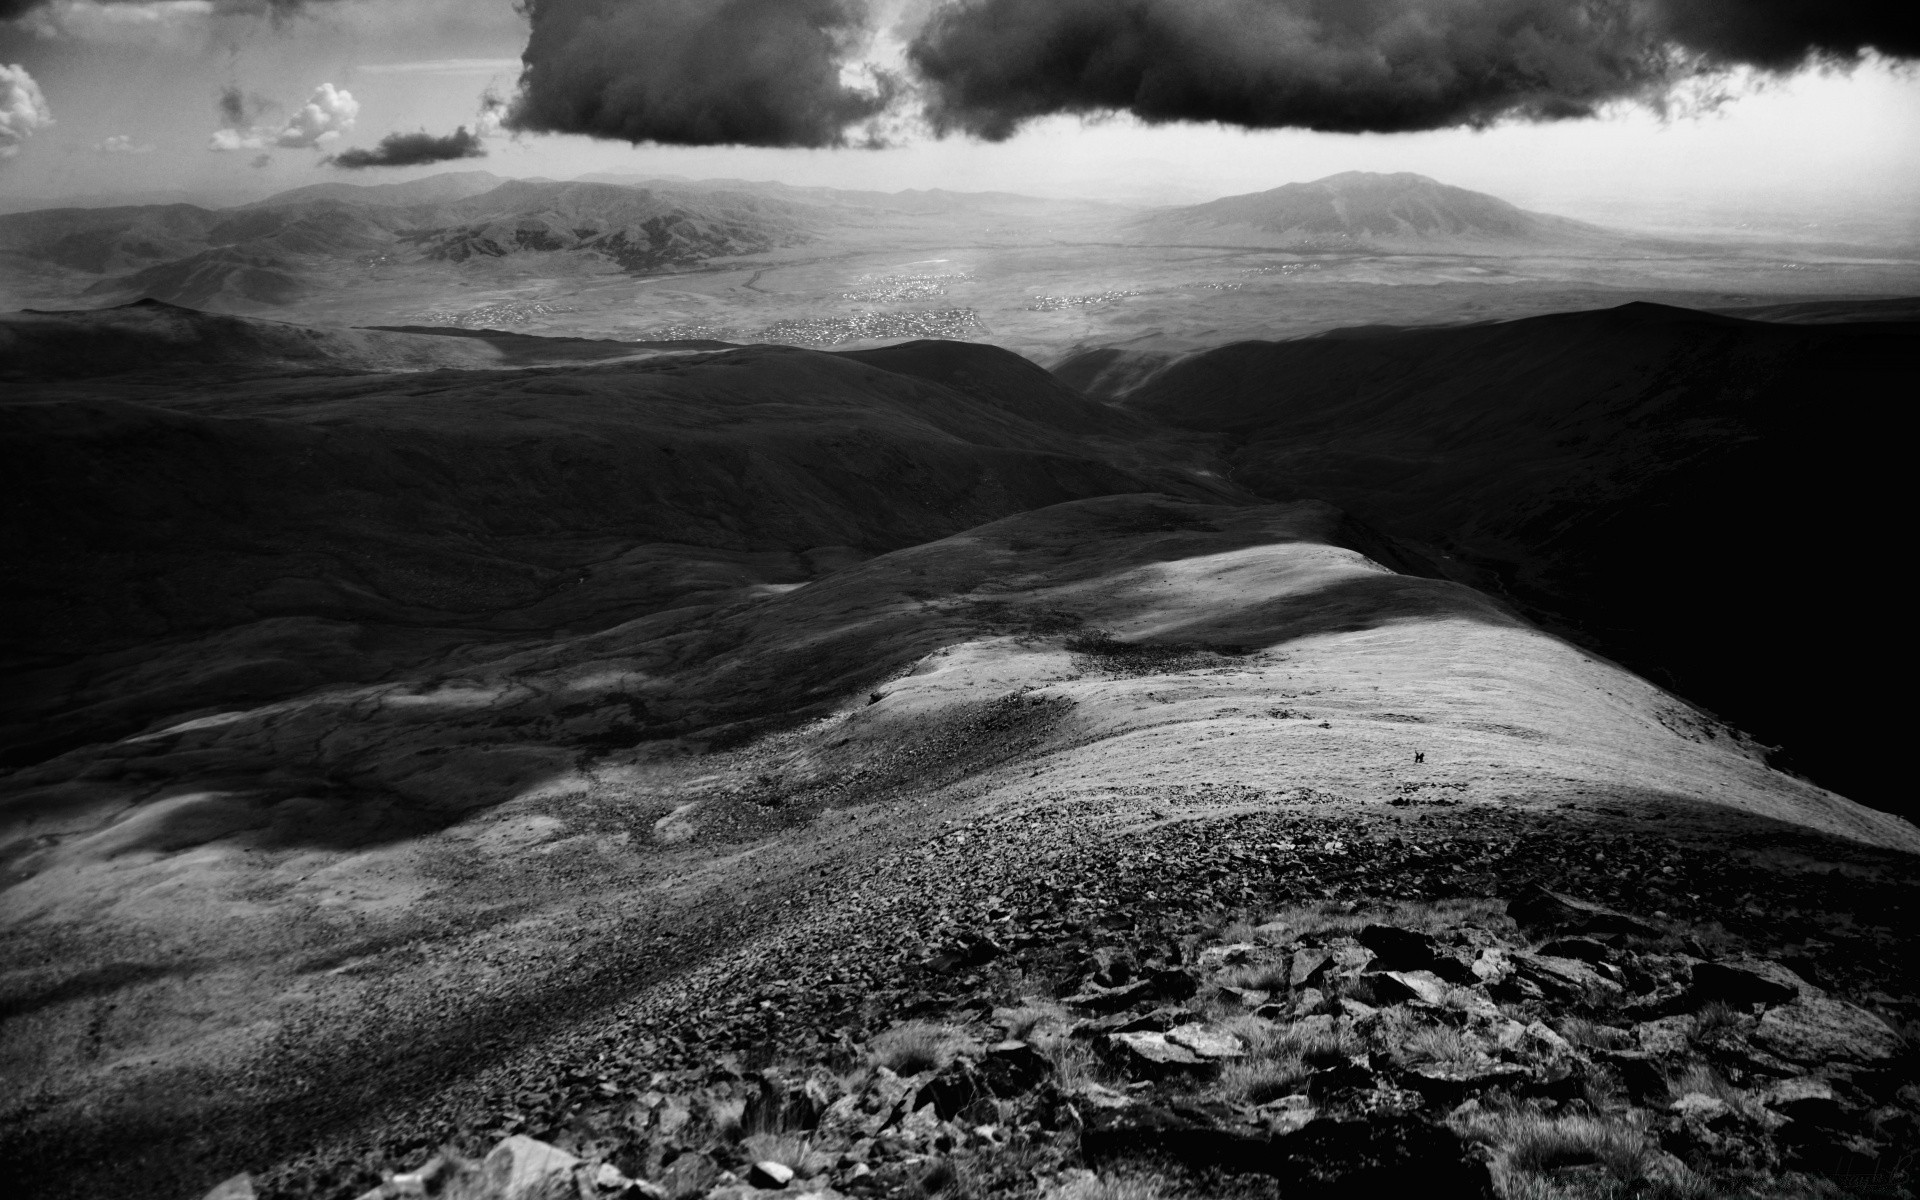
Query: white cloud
x: 120, y: 143
x: 23, y: 109
x: 327, y: 114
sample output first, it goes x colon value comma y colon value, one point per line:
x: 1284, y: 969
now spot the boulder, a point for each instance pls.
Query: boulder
x: 1397, y: 949
x: 1585, y: 949
x: 1153, y: 1056
x: 1543, y: 913
x: 1013, y: 1067
x: 770, y: 1174
x: 1564, y: 979
x: 1819, y: 1029
x: 237, y: 1187
x: 1424, y: 986
x: 1447, y: 1084
x: 522, y: 1168
x: 1811, y: 1101
x: 1744, y: 981
x: 1309, y: 966
x: 1206, y: 1042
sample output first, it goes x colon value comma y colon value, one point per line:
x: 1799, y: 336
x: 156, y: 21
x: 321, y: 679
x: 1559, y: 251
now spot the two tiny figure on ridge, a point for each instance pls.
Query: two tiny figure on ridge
x: 1419, y: 756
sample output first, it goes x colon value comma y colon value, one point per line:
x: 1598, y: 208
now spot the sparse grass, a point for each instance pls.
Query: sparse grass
x: 788, y: 1150
x: 1425, y: 916
x: 1241, y: 930
x: 1318, y: 1047
x: 1110, y: 1187
x: 1260, y: 977
x: 1263, y: 1079
x: 915, y: 1047
x: 1438, y: 1043
x: 1704, y: 1079
x: 1715, y: 1018
x: 1257, y: 1034
x: 1075, y: 1063
x: 1541, y: 1145
x: 1037, y: 1021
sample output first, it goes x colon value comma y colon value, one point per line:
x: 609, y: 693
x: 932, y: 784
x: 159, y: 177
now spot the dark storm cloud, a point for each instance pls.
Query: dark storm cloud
x: 694, y: 72
x: 1360, y: 65
x: 412, y: 149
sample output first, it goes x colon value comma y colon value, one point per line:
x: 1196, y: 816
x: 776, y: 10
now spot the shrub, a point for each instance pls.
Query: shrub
x: 915, y: 1047
x: 1539, y: 1145
x: 1262, y: 1079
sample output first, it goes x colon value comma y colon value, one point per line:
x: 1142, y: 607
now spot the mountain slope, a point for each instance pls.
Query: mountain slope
x: 1679, y: 490
x: 1359, y: 210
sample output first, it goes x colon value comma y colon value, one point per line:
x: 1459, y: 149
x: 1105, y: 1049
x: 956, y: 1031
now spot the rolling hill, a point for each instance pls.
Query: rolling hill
x: 1678, y: 490
x: 407, y: 752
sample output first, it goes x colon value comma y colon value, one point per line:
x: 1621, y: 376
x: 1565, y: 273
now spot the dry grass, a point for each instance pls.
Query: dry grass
x: 1260, y: 977
x: 1702, y: 1078
x: 1110, y: 1187
x: 1263, y: 1079
x: 915, y: 1047
x: 1717, y: 1017
x: 788, y: 1150
x: 1438, y: 1043
x: 1037, y: 1021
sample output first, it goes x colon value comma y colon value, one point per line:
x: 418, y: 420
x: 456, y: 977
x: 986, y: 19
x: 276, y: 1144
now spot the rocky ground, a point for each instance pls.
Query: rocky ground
x: 1221, y: 1003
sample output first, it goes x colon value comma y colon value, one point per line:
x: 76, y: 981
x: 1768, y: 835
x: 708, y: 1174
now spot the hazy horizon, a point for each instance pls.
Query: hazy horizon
x: 230, y: 101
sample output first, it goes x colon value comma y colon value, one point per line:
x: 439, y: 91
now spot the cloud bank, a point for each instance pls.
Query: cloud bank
x: 23, y: 110
x: 799, y: 73
x: 696, y: 72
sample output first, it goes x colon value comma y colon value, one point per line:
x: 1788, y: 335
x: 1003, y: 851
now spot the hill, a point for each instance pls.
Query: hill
x: 285, y: 249
x: 1360, y: 210
x: 902, y: 769
x: 1649, y: 480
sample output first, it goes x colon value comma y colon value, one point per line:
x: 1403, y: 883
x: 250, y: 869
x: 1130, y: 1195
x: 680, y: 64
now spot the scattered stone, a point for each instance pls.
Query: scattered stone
x: 521, y: 1168
x: 1152, y: 1055
x: 1308, y: 966
x: 1543, y: 913
x: 1564, y: 979
x: 1424, y: 986
x: 1802, y: 1099
x: 1585, y: 949
x: 1744, y: 981
x: 1817, y: 1029
x: 770, y: 1174
x: 1397, y: 949
x: 1207, y: 1043
x: 238, y: 1187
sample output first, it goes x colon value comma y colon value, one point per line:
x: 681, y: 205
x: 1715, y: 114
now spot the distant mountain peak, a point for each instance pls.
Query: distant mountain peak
x: 1366, y: 210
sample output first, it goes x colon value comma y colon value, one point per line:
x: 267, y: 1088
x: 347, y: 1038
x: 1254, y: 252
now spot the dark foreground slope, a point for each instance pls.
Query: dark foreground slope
x: 411, y: 757
x: 1702, y: 498
x: 178, y: 543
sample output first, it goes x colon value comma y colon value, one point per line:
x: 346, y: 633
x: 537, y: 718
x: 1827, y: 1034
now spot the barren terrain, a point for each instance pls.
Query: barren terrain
x: 417, y: 737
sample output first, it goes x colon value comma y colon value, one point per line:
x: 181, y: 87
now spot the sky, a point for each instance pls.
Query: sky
x: 1689, y: 122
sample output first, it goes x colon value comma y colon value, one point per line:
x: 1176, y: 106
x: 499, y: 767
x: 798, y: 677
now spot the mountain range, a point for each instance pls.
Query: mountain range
x: 279, y: 251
